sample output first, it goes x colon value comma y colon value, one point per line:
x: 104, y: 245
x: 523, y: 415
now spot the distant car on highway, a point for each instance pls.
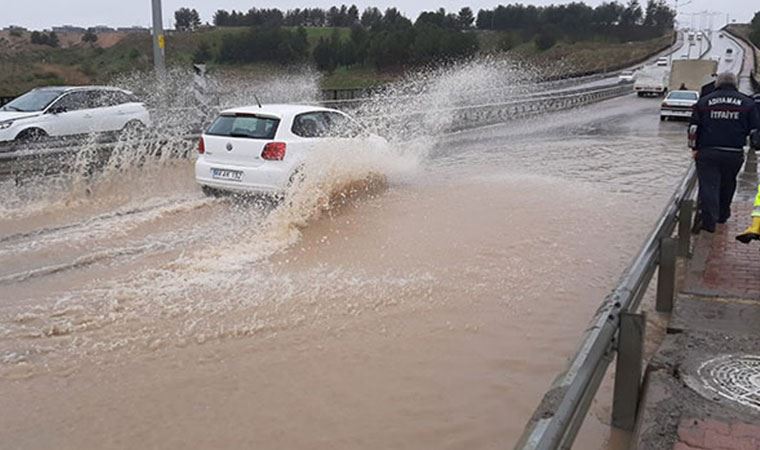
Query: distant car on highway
x: 729, y: 54
x: 260, y: 149
x: 67, y: 111
x: 720, y: 35
x: 662, y: 61
x: 678, y: 104
x: 625, y: 76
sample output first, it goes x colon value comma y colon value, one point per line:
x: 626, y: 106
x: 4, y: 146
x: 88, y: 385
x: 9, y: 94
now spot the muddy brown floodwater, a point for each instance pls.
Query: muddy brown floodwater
x: 429, y: 313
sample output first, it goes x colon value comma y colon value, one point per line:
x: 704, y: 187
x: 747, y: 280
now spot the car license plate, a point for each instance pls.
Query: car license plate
x: 680, y: 113
x: 226, y: 174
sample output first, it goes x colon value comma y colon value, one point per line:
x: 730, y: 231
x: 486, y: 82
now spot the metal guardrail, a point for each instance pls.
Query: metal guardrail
x: 616, y: 328
x: 55, y: 155
x: 753, y: 74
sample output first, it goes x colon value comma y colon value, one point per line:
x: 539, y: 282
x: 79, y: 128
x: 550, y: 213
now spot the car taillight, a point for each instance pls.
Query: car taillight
x: 274, y: 151
x: 201, y: 146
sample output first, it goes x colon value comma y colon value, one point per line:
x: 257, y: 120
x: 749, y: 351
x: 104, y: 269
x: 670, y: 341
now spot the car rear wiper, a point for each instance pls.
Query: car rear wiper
x: 241, y: 135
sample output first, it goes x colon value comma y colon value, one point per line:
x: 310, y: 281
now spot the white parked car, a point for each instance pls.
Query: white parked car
x: 678, y: 104
x: 66, y: 111
x: 260, y: 149
x: 729, y: 54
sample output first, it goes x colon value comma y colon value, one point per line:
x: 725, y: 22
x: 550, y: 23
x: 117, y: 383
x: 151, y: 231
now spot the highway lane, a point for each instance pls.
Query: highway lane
x: 432, y: 313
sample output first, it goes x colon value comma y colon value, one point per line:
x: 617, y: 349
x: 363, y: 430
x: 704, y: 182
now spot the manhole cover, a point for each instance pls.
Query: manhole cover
x: 732, y: 377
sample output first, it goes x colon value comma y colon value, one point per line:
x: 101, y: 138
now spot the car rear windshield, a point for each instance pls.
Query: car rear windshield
x: 676, y: 95
x: 245, y: 126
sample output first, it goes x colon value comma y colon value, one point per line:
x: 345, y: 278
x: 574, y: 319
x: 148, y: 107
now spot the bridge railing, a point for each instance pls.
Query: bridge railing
x: 616, y: 329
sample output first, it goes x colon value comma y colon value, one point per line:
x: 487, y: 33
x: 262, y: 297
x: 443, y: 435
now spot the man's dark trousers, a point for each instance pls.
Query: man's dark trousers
x: 717, y: 171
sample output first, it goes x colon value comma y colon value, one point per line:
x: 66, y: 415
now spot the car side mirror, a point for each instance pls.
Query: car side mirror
x: 57, y: 110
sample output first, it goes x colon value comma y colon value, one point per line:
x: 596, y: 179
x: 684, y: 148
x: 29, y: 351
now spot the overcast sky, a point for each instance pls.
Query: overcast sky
x: 39, y: 14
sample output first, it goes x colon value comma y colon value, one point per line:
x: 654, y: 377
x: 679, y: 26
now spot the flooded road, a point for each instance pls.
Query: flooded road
x: 429, y: 313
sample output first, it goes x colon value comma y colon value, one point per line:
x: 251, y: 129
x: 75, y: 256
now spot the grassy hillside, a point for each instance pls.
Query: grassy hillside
x: 24, y: 66
x: 590, y: 56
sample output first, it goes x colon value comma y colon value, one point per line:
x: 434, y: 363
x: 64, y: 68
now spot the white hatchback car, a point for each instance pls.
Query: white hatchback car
x: 259, y: 149
x: 66, y: 111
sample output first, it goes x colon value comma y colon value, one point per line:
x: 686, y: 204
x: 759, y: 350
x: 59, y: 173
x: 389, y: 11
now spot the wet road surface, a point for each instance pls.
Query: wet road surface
x: 430, y: 313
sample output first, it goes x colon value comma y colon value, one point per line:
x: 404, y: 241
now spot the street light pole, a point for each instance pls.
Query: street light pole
x: 159, y: 41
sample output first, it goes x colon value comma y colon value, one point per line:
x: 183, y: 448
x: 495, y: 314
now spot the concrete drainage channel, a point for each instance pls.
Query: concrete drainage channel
x: 735, y: 378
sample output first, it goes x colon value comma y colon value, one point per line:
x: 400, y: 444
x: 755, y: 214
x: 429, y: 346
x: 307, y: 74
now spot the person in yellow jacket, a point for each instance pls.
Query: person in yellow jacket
x: 753, y: 232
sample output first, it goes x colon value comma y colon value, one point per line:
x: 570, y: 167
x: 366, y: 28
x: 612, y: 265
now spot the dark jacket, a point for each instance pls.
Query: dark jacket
x: 724, y: 119
x: 707, y: 89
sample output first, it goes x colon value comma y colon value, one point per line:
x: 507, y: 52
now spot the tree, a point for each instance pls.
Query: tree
x: 754, y: 33
x: 353, y: 16
x: 325, y: 55
x: 607, y: 14
x: 37, y: 38
x: 90, y: 37
x: 485, y: 19
x: 53, y: 39
x: 663, y: 16
x: 186, y: 19
x: 755, y: 29
x: 221, y: 18
x: 632, y: 14
x: 465, y: 18
x: 50, y: 40
x: 333, y: 17
x: 371, y: 17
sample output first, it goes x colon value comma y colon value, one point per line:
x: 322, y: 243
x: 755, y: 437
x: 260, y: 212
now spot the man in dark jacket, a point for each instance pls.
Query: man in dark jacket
x: 723, y: 119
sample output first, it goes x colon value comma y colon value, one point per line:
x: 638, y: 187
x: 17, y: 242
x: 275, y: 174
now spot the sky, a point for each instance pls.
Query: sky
x: 41, y: 14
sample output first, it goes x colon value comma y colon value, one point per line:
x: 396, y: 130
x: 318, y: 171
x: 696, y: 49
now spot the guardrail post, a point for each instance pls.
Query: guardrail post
x: 750, y: 166
x: 628, y: 368
x: 666, y: 275
x: 685, y: 213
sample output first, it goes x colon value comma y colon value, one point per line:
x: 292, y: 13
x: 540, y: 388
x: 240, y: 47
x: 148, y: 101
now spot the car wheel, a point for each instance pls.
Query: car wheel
x: 132, y: 127
x: 663, y: 118
x: 31, y: 135
x: 209, y: 191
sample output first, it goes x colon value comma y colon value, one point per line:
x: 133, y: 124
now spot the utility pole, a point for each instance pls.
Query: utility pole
x: 159, y: 40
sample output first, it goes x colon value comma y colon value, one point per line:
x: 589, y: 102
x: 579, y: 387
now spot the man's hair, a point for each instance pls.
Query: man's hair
x: 726, y: 79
